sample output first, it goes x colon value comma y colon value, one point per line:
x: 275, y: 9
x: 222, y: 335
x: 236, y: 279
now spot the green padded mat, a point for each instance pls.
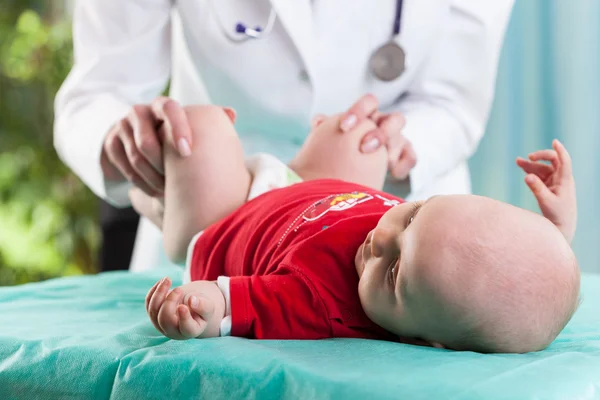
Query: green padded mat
x: 89, y: 337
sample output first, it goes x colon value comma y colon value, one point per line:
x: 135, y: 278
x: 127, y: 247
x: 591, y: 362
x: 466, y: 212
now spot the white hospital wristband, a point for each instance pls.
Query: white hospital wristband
x: 223, y: 284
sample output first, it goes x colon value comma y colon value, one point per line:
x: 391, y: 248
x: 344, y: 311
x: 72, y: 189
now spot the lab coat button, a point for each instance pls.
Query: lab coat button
x: 303, y: 75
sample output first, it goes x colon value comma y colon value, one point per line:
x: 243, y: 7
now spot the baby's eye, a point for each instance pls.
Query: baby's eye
x: 413, y: 213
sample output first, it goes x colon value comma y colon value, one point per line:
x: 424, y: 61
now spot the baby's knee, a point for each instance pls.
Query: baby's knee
x: 330, y: 153
x: 206, y: 119
x: 211, y: 128
x: 202, y: 111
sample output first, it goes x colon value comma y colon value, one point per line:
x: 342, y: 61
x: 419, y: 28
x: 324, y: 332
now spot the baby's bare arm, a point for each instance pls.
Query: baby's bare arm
x: 206, y: 186
x: 329, y: 153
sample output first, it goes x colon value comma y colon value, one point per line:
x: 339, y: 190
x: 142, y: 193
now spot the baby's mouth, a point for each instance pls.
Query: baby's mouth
x: 393, y: 272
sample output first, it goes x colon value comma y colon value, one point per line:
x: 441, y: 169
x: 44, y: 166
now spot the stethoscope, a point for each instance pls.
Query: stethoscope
x: 387, y: 62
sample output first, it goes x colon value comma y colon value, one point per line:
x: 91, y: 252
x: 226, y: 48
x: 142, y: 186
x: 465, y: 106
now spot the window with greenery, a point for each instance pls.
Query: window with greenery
x: 48, y: 218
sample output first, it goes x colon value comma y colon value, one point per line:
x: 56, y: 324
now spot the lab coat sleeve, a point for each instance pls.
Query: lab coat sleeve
x: 447, y: 107
x: 121, y: 58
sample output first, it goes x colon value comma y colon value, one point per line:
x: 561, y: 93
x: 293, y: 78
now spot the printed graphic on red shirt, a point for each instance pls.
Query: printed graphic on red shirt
x: 388, y: 202
x: 332, y: 203
x: 337, y: 202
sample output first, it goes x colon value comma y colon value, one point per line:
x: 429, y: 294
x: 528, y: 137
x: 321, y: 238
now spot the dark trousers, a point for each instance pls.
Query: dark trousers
x: 119, y: 228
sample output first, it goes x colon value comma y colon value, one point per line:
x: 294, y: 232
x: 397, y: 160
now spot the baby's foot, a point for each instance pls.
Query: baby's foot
x: 188, y: 311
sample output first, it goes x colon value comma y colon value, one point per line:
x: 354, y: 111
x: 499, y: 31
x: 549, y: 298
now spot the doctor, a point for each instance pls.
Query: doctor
x: 430, y: 65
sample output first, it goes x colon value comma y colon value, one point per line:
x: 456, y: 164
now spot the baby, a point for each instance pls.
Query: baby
x: 337, y: 257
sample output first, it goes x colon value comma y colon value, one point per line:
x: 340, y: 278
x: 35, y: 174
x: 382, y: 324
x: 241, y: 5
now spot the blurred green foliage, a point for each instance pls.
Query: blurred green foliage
x: 48, y: 218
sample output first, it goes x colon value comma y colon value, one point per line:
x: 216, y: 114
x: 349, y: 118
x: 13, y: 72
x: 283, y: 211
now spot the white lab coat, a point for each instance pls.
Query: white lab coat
x: 315, y: 61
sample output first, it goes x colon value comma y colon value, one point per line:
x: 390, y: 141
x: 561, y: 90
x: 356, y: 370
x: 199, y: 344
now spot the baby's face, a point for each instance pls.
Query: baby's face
x: 430, y: 269
x: 391, y: 263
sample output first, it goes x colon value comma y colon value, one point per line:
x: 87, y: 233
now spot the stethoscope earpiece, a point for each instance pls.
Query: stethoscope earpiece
x: 255, y: 33
x: 240, y: 28
x: 241, y: 32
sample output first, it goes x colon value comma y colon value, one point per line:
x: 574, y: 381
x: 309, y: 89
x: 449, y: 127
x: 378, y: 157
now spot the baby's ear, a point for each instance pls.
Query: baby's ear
x: 230, y: 113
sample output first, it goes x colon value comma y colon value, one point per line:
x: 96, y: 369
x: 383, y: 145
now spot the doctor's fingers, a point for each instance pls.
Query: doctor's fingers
x: 176, y: 124
x: 142, y: 168
x: 149, y: 207
x: 389, y: 133
x: 116, y: 154
x: 145, y: 134
x: 401, y: 166
x: 365, y: 107
x: 392, y: 122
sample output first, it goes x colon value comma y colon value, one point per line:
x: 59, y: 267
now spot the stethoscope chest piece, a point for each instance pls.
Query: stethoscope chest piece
x: 388, y: 61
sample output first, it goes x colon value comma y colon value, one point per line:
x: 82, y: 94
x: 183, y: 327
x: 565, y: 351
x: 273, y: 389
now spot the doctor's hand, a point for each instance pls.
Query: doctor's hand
x: 550, y: 178
x: 132, y: 149
x: 401, y: 156
x: 153, y: 208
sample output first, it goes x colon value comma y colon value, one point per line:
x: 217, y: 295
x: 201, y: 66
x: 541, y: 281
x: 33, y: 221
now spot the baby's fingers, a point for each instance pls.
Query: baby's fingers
x: 540, y: 191
x: 188, y: 326
x: 151, y: 293
x: 564, y: 158
x: 545, y: 155
x: 540, y: 169
x: 167, y: 316
x: 201, y: 306
x: 156, y: 301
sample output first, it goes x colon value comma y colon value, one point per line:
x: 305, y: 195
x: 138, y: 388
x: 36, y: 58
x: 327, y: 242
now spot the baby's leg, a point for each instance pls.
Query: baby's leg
x: 206, y: 186
x: 329, y: 153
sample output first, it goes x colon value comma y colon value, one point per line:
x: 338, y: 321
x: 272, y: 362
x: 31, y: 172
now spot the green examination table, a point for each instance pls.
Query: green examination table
x: 89, y: 337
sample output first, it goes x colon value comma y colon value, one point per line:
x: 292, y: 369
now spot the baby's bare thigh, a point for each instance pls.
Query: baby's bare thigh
x: 329, y: 153
x: 207, y: 185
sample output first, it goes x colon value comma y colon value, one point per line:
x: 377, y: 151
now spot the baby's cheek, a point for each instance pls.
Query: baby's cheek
x: 368, y: 294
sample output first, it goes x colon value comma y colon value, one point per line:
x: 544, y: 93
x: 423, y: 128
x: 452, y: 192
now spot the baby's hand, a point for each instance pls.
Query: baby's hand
x: 189, y: 311
x: 553, y: 186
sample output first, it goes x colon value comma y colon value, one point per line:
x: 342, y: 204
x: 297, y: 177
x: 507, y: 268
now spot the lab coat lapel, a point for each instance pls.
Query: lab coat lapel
x: 296, y: 18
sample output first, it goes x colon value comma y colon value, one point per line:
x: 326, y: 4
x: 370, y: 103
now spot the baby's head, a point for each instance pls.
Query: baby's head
x: 468, y: 273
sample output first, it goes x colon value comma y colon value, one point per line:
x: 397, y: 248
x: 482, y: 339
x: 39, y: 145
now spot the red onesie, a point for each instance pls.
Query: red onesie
x: 290, y: 257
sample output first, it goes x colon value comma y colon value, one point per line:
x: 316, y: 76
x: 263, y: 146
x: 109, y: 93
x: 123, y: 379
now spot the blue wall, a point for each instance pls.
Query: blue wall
x: 548, y: 87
